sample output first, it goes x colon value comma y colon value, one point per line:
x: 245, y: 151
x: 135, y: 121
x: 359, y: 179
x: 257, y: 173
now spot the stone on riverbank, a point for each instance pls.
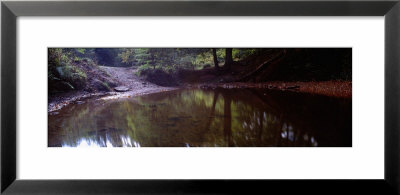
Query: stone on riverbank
x: 121, y: 89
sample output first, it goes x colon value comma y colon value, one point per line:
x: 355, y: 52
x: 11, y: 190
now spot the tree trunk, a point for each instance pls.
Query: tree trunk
x: 228, y: 58
x: 214, y: 52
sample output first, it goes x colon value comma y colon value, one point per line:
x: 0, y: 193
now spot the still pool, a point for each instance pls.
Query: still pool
x: 205, y: 118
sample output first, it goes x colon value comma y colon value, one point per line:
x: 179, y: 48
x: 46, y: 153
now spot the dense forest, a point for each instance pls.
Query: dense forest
x: 72, y: 69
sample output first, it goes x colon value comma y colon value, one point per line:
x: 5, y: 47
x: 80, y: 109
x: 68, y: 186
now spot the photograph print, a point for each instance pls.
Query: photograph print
x: 199, y: 97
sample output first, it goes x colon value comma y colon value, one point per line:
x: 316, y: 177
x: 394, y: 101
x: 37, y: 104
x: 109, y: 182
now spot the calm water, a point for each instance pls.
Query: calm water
x: 211, y: 118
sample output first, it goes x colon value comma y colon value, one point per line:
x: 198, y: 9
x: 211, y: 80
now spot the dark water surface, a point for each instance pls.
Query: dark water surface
x: 211, y: 118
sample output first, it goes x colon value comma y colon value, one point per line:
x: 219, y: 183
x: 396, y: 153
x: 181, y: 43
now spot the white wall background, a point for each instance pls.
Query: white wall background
x: 364, y: 160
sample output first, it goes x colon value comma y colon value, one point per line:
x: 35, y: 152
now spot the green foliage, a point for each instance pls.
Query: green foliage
x: 169, y: 59
x: 81, y: 50
x: 221, y: 55
x: 143, y: 68
x: 172, y: 59
x: 107, y: 86
x: 127, y: 56
x: 72, y: 73
x: 142, y: 57
x: 63, y: 72
x: 239, y: 54
x: 203, y: 59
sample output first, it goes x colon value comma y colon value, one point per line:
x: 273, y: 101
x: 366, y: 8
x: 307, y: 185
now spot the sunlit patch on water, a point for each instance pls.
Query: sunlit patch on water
x: 205, y: 118
x: 86, y: 143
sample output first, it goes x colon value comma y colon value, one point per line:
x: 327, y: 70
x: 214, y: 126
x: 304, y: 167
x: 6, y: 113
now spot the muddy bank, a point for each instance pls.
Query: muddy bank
x: 56, y: 102
x: 340, y: 89
x: 59, y: 101
x: 132, y: 84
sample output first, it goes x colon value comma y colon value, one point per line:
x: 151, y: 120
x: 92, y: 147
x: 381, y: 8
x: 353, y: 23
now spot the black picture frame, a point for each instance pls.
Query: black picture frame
x: 10, y: 10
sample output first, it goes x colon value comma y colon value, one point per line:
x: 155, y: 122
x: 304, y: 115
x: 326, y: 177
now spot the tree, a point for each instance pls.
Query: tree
x: 214, y: 52
x: 107, y: 56
x: 128, y: 56
x: 143, y: 57
x: 228, y: 58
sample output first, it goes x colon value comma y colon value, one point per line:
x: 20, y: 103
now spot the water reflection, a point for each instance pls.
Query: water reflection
x: 213, y: 118
x: 125, y: 141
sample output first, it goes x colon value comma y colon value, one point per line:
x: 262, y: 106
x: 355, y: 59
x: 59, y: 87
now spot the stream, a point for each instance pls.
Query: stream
x: 205, y: 118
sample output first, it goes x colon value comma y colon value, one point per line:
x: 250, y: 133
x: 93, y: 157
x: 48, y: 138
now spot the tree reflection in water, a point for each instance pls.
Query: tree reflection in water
x: 196, y: 117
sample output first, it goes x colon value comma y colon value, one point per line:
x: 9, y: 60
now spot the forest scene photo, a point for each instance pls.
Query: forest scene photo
x: 199, y: 97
